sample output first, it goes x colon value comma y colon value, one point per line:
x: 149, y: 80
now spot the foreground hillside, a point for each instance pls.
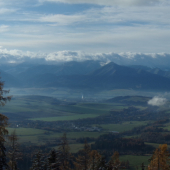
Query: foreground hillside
x: 126, y: 124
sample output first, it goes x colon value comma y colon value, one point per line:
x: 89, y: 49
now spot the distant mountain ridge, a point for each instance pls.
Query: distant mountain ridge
x: 89, y: 75
x: 111, y: 69
x: 156, y: 71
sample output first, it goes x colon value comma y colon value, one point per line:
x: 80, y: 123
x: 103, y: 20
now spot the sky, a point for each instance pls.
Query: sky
x: 45, y: 27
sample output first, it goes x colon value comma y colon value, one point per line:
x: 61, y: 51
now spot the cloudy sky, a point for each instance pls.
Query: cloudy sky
x: 91, y: 26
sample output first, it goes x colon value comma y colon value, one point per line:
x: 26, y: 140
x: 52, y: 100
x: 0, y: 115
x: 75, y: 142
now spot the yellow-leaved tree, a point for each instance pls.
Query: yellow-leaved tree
x: 160, y: 159
x: 83, y: 159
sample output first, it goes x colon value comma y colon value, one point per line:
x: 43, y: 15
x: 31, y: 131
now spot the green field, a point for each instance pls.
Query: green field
x: 38, y: 136
x: 103, y: 106
x: 167, y: 126
x: 135, y: 160
x: 28, y: 107
x: 26, y: 131
x: 26, y: 135
x: 66, y: 118
x: 125, y: 126
x: 50, y: 109
x: 81, y: 109
x: 74, y: 148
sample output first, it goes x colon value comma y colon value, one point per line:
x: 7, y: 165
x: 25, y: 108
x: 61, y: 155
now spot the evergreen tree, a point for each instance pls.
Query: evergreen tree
x: 3, y: 125
x: 3, y: 160
x: 38, y: 163
x: 54, y: 160
x: 46, y: 165
x: 65, y: 155
x: 13, y: 153
x: 53, y: 156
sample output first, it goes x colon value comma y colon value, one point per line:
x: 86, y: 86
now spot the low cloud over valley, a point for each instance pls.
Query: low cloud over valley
x: 157, y: 101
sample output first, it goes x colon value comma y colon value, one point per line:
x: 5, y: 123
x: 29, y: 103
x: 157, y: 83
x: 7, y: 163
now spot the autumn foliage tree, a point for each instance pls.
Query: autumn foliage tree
x: 114, y: 162
x: 95, y: 159
x: 83, y: 159
x: 3, y: 118
x: 160, y: 159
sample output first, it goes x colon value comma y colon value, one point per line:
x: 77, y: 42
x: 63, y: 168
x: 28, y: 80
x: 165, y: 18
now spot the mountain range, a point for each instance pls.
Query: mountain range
x: 85, y: 75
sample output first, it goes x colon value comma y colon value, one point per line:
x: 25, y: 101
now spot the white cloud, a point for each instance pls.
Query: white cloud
x: 6, y: 11
x: 102, y: 29
x: 148, y: 59
x: 153, y: 17
x: 61, y: 19
x: 157, y: 101
x: 108, y: 2
x: 48, y: 39
x: 18, y: 56
x: 3, y: 28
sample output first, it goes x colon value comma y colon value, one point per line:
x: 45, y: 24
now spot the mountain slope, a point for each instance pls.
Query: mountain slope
x: 156, y: 71
x: 160, y: 72
x: 110, y: 76
x: 112, y: 69
x: 69, y: 68
x: 9, y: 80
x: 115, y: 76
x: 39, y: 72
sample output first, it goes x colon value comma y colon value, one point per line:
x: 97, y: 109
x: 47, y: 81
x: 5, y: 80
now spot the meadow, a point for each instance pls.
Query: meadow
x: 125, y: 126
x: 30, y: 107
x: 38, y: 136
x: 48, y: 109
x: 66, y: 118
